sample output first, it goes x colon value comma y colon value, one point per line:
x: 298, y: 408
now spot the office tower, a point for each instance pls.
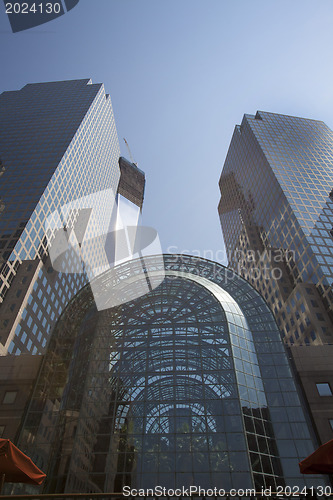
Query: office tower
x: 276, y: 213
x: 59, y: 157
x: 17, y: 379
x: 188, y: 384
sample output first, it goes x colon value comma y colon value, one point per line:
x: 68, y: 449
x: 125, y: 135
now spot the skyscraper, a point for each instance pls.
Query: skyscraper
x: 276, y: 213
x: 59, y: 155
x: 188, y: 384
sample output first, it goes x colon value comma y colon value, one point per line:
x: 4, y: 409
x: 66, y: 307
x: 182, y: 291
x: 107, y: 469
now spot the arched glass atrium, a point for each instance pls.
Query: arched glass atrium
x: 188, y: 384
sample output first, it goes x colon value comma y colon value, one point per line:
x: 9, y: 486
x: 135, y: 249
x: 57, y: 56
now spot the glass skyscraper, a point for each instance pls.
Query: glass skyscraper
x: 58, y: 146
x: 188, y: 384
x: 276, y: 213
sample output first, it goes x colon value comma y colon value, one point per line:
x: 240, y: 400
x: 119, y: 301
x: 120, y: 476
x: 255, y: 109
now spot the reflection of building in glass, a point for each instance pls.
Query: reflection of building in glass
x: 58, y: 144
x: 188, y: 384
x: 276, y: 213
x: 17, y: 379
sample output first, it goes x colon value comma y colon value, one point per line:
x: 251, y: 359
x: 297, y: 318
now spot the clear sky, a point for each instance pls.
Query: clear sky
x: 181, y: 74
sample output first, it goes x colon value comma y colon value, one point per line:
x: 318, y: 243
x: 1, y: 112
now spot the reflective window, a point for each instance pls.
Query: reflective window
x: 188, y: 384
x: 324, y: 389
x: 9, y: 397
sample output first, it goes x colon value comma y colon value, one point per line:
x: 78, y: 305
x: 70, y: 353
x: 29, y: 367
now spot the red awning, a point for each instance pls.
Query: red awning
x: 320, y: 462
x: 17, y: 467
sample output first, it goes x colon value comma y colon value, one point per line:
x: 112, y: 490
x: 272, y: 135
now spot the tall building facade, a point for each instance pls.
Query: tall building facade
x: 276, y: 213
x: 186, y: 385
x: 59, y: 155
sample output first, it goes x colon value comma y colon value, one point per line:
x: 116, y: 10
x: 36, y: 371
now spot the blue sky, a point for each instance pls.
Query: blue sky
x: 181, y: 74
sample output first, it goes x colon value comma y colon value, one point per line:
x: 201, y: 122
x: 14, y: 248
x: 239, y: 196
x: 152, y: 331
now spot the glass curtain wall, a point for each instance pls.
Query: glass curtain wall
x: 186, y: 385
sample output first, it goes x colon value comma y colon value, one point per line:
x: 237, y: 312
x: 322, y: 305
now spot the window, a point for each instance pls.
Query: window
x: 9, y: 397
x: 324, y: 389
x: 330, y: 421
